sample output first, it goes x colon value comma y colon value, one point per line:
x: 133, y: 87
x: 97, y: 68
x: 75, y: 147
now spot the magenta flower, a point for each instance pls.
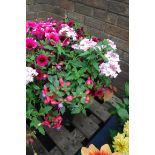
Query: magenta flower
x: 42, y: 60
x: 53, y: 36
x: 31, y: 43
x: 40, y: 75
x: 69, y: 98
x: 89, y: 81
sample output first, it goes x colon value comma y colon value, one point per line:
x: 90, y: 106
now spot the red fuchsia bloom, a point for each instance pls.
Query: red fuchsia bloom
x: 47, y: 123
x: 89, y: 81
x: 54, y: 102
x: 61, y: 82
x: 40, y: 75
x: 99, y: 92
x: 68, y: 84
x: 42, y: 60
x: 57, y: 120
x: 48, y: 99
x: 64, y: 41
x: 87, y: 99
x: 88, y: 92
x: 71, y: 23
x: 31, y: 43
x: 69, y: 98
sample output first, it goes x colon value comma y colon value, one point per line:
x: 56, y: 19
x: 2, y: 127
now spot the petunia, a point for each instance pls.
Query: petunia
x: 92, y: 150
x: 31, y: 43
x: 42, y: 60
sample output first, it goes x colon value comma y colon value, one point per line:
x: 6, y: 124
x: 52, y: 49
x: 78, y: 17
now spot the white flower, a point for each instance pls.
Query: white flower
x: 30, y: 73
x: 110, y: 69
x: 68, y: 31
x: 112, y: 56
x: 112, y: 44
x: 85, y: 44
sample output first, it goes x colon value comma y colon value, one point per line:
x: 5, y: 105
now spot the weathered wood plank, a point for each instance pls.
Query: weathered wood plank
x: 64, y: 141
x: 55, y: 151
x: 40, y: 149
x: 114, y: 100
x: 99, y: 110
x: 95, y: 119
x: 85, y: 125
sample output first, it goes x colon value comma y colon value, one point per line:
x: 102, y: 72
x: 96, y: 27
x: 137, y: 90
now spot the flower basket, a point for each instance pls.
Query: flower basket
x: 65, y: 70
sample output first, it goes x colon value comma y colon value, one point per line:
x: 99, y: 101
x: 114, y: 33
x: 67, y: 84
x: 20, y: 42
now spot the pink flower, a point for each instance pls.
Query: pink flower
x: 87, y: 99
x: 45, y: 76
x: 61, y: 82
x: 69, y: 98
x: 57, y: 120
x: 88, y: 92
x: 31, y: 43
x: 68, y: 84
x: 54, y: 102
x: 40, y: 75
x: 47, y: 123
x: 99, y: 92
x: 89, y: 81
x: 53, y: 36
x: 42, y: 60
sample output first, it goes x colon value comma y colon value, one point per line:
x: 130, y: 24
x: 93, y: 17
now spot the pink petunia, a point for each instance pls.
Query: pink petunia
x: 42, y: 60
x: 40, y: 75
x: 31, y: 43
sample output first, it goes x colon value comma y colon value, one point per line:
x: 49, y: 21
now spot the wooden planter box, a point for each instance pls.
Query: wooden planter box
x: 84, y: 130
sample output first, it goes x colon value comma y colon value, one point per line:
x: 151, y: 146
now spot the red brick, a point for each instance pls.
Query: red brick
x: 117, y: 7
x: 66, y: 4
x: 101, y: 4
x: 123, y: 22
x: 111, y: 18
x: 76, y: 16
x: 117, y: 32
x: 95, y: 23
x: 100, y: 14
x: 59, y: 11
x: 83, y: 9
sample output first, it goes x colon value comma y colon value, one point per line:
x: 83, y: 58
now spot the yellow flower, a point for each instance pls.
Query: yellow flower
x: 92, y: 150
x: 126, y: 128
x: 121, y: 143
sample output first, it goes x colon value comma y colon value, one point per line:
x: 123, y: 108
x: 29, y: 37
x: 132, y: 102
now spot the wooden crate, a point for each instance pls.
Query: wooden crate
x: 68, y: 141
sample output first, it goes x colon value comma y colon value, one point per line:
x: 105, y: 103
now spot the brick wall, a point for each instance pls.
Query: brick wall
x: 102, y: 18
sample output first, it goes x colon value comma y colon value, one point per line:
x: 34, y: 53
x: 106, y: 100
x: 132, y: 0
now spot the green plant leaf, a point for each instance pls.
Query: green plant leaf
x: 123, y: 114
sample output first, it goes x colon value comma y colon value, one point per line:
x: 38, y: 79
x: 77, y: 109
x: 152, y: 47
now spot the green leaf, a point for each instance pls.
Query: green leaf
x: 41, y: 130
x: 62, y: 110
x: 84, y: 53
x: 127, y: 89
x: 36, y: 87
x: 50, y: 78
x: 123, y: 114
x: 49, y: 47
x: 76, y: 110
x: 95, y: 64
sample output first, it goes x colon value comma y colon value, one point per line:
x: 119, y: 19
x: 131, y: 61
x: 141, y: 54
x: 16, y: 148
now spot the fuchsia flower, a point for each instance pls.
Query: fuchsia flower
x: 61, y: 82
x: 99, y: 92
x: 31, y: 43
x: 69, y: 98
x: 57, y: 120
x: 68, y: 84
x: 89, y: 81
x: 54, y: 102
x: 87, y: 99
x: 42, y: 60
x: 88, y: 92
